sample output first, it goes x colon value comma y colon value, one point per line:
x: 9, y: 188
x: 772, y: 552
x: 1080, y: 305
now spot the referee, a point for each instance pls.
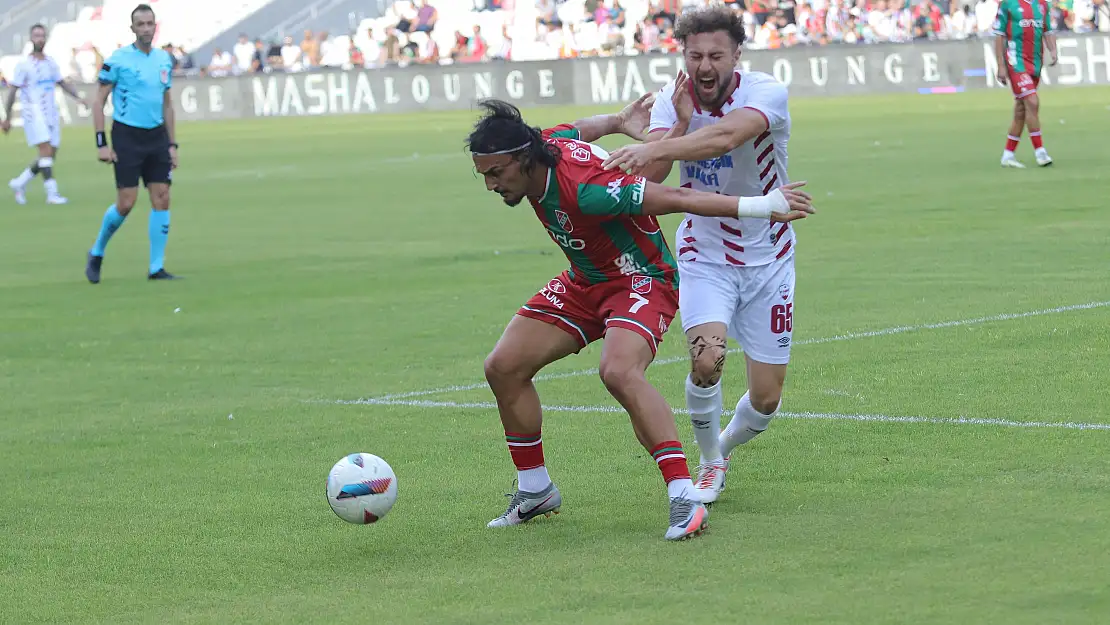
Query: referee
x: 138, y: 78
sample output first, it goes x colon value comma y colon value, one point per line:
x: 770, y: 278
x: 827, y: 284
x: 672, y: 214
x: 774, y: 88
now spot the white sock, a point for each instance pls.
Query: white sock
x: 1007, y: 154
x: 680, y: 488
x: 51, y: 187
x: 705, y: 405
x: 533, y: 480
x: 746, y: 424
x: 22, y: 179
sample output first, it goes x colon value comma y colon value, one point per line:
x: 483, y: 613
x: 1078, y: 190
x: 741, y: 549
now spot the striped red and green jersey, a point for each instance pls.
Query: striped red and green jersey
x: 1024, y: 23
x: 596, y: 216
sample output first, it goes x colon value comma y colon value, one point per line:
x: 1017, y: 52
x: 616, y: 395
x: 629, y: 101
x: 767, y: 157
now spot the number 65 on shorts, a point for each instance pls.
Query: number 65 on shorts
x: 755, y: 303
x: 642, y: 304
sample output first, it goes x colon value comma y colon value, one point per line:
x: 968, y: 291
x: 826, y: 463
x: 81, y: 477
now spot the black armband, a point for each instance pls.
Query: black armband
x: 173, y: 145
x: 101, y: 140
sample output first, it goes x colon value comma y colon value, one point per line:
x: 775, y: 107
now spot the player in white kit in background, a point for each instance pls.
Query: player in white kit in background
x: 729, y: 130
x: 35, y: 79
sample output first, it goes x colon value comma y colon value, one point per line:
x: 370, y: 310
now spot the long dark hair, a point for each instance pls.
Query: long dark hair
x: 502, y: 130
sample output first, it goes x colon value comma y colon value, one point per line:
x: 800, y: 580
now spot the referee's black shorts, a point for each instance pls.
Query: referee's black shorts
x: 141, y: 153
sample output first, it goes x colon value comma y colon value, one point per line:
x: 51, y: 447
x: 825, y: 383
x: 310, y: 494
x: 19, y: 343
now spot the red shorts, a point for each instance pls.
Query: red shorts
x: 636, y: 303
x: 1023, y: 84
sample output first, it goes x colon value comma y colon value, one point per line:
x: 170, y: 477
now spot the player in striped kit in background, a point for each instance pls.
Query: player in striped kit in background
x: 1023, y: 30
x: 35, y: 79
x: 729, y: 129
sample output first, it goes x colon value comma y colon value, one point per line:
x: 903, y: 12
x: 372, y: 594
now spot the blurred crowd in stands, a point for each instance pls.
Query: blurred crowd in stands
x: 417, y: 32
x: 411, y: 33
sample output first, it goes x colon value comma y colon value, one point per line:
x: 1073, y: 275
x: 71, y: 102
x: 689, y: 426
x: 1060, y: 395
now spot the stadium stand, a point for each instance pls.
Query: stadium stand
x: 297, y: 35
x: 16, y: 22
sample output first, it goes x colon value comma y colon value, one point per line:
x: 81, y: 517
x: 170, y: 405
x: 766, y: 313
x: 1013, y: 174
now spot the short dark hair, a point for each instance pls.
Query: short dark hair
x: 142, y: 8
x: 503, y: 129
x: 710, y: 19
x: 36, y: 27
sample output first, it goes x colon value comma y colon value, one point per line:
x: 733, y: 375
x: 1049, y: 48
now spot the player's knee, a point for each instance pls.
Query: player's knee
x: 501, y: 368
x: 46, y: 167
x: 765, y: 400
x: 1032, y: 105
x: 124, y: 204
x: 707, y: 366
x: 160, y: 198
x: 619, y: 376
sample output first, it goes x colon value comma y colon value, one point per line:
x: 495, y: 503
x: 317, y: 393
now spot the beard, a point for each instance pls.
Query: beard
x: 719, y: 94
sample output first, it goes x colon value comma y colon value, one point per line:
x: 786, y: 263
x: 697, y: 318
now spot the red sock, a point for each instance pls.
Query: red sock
x: 1012, y: 143
x: 1035, y: 137
x: 672, y: 462
x: 526, y: 450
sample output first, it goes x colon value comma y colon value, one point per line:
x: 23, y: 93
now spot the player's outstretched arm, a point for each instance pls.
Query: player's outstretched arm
x: 632, y: 121
x: 735, y: 129
x: 781, y: 205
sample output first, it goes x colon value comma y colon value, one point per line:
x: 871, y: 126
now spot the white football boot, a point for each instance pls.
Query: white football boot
x: 1011, y: 161
x: 1043, y: 159
x: 710, y: 480
x: 524, y: 507
x: 19, y: 191
x: 56, y: 199
x: 689, y: 518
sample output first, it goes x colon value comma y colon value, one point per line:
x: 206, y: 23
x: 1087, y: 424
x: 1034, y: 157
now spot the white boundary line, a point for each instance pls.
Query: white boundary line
x: 829, y: 416
x: 851, y: 336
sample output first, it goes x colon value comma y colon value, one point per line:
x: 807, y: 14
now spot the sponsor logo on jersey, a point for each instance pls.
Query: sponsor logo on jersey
x: 1027, y: 23
x: 784, y: 291
x: 614, y: 189
x: 548, y: 293
x: 784, y: 341
x: 641, y: 284
x: 165, y: 76
x: 564, y: 221
x: 638, y: 190
x: 564, y: 241
x: 628, y: 265
x: 663, y: 324
x: 579, y: 153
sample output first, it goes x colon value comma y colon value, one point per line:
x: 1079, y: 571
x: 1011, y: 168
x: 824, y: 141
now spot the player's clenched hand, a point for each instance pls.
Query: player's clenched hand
x: 173, y: 158
x: 636, y: 116
x: 683, y: 103
x: 5, y: 126
x: 1002, y: 77
x: 106, y: 154
x: 632, y: 158
x: 801, y: 203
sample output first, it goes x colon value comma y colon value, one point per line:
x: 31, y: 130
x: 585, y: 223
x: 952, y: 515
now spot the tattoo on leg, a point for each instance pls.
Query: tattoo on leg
x: 699, y: 345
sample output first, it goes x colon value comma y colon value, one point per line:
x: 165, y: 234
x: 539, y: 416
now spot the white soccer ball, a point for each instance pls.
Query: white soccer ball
x: 361, y: 488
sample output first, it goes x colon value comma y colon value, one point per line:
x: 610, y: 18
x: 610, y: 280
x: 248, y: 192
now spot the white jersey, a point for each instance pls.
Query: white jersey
x: 753, y: 169
x: 37, y: 80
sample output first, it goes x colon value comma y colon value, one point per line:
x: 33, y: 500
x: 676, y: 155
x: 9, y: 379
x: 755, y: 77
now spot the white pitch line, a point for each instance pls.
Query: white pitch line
x: 851, y: 336
x: 828, y: 416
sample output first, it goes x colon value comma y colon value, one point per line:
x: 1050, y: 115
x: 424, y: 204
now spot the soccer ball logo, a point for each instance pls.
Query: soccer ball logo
x: 361, y: 488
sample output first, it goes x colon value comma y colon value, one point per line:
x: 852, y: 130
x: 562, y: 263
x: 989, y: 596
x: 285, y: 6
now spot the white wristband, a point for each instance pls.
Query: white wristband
x: 763, y: 206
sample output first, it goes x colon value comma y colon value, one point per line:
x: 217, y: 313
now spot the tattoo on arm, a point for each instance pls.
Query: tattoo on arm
x: 701, y: 348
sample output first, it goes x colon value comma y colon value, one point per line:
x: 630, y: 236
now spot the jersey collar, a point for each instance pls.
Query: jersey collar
x: 718, y: 112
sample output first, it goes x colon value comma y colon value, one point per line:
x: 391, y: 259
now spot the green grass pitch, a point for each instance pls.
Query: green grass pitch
x: 352, y: 257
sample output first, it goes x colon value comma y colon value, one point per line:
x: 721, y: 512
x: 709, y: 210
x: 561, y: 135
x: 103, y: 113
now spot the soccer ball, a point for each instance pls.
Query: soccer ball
x: 361, y: 488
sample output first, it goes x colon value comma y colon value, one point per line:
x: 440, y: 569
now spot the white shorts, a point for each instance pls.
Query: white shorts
x: 38, y: 131
x: 755, y: 303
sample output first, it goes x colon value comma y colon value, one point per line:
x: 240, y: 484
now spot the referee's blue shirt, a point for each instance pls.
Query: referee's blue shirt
x: 140, y: 81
